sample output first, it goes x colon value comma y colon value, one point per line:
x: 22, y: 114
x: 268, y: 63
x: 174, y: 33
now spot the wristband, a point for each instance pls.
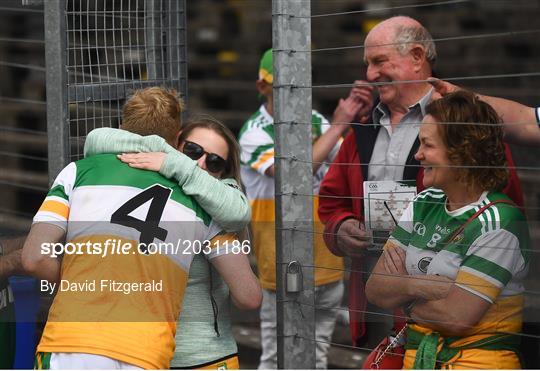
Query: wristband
x: 537, y: 111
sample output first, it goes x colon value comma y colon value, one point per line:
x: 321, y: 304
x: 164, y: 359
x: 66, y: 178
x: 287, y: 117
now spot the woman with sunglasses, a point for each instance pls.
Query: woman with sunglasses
x: 196, y: 136
x: 457, y: 259
x: 204, y: 336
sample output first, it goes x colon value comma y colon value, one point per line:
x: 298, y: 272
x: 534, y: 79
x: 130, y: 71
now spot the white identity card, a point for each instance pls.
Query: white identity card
x: 396, y: 195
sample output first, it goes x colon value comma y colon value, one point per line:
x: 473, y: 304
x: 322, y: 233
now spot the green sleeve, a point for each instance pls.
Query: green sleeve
x: 109, y: 140
x: 223, y: 200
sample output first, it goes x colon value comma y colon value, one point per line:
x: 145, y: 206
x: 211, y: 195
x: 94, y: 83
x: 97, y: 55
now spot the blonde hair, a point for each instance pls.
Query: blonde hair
x: 154, y: 110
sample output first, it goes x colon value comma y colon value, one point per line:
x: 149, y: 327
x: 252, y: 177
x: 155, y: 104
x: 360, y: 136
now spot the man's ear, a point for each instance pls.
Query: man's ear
x: 419, y: 55
x: 177, y: 140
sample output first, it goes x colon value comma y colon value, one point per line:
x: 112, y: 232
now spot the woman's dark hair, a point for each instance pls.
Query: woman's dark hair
x: 472, y: 133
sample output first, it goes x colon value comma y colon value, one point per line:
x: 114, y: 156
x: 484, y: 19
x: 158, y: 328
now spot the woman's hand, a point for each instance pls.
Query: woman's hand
x: 388, y: 284
x: 394, y: 260
x: 147, y: 161
x: 426, y: 287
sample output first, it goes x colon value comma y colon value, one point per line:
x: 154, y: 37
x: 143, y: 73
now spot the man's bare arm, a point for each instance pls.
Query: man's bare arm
x: 520, y: 125
x: 520, y: 121
x: 34, y: 262
x: 12, y: 244
x: 10, y: 261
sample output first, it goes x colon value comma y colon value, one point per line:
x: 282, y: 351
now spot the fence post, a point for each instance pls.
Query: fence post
x: 177, y: 48
x: 291, y: 25
x: 154, y: 39
x: 183, y: 54
x: 56, y: 86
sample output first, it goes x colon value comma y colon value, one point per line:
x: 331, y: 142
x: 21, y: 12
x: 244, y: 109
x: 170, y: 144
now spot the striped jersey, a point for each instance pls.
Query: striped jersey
x: 257, y: 155
x: 488, y: 259
x: 102, y: 202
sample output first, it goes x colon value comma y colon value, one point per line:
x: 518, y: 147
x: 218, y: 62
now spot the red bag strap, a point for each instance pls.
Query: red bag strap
x: 476, y: 215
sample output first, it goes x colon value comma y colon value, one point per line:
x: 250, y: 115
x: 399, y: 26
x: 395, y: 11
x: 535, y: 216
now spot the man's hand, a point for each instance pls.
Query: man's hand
x: 357, y: 105
x: 363, y: 95
x: 442, y: 88
x: 352, y: 239
x: 346, y: 111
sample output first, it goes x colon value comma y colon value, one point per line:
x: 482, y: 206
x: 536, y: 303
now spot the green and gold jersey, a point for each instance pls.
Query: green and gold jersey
x: 104, y: 205
x: 257, y: 155
x: 489, y: 258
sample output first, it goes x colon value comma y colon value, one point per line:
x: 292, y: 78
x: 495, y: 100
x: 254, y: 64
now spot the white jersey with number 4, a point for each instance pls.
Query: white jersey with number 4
x: 131, y: 236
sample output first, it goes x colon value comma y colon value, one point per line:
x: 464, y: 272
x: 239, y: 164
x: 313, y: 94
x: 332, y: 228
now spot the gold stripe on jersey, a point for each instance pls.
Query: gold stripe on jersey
x: 224, y: 244
x: 225, y: 237
x: 478, y: 284
x: 263, y: 159
x: 53, y: 206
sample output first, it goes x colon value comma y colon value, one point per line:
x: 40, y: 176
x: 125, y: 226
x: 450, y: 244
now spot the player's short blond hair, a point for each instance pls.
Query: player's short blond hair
x: 155, y: 110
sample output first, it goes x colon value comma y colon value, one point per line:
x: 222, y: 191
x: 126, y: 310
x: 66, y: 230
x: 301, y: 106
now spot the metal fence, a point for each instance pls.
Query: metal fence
x: 294, y: 228
x: 292, y: 60
x: 23, y: 141
x: 99, y: 51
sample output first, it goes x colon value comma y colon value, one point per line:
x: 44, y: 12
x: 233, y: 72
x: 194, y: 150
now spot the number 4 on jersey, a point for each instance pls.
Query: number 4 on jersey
x: 149, y: 228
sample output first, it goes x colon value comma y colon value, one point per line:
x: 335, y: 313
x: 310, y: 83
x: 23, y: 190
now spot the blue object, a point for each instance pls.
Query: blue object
x: 26, y: 295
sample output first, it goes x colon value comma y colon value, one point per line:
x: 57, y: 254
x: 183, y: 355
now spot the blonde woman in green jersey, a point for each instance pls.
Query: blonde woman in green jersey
x: 457, y: 259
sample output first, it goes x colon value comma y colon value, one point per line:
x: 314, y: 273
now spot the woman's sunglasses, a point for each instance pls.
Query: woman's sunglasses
x: 214, y: 163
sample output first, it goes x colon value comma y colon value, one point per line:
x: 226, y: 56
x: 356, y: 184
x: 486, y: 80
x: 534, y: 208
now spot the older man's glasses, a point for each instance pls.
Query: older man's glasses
x: 214, y: 163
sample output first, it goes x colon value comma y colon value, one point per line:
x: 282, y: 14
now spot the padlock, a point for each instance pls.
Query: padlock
x: 294, y: 277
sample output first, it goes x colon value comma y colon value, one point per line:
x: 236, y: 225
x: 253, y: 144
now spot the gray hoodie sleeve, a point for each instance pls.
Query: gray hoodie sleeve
x: 222, y: 199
